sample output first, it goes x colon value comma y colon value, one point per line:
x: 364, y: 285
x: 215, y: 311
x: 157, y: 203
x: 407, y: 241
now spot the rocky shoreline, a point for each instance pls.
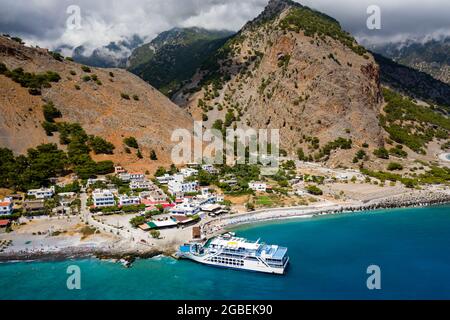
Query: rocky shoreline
x: 418, y: 199
x: 77, y: 254
x: 414, y: 199
x: 422, y: 199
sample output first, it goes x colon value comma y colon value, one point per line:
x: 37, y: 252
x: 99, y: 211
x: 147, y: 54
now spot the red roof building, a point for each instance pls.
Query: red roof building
x: 4, y: 223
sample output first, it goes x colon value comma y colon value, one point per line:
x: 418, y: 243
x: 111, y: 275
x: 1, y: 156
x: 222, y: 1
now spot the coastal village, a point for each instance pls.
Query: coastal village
x: 133, y: 212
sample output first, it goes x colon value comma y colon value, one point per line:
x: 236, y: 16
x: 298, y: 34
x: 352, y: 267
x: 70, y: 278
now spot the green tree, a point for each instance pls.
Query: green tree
x: 314, y: 190
x: 381, y: 153
x: 100, y: 145
x: 131, y: 142
x: 394, y: 166
x: 301, y: 154
x: 137, y: 221
x: 153, y: 155
x: 160, y: 172
x: 50, y: 112
x: 155, y: 234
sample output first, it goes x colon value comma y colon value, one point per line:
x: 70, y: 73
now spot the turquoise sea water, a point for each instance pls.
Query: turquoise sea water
x: 329, y: 260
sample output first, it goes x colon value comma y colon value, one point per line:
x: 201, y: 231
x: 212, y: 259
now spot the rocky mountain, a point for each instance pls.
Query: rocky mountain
x: 109, y: 103
x: 431, y: 57
x: 114, y: 55
x: 412, y: 82
x: 295, y: 69
x: 174, y: 56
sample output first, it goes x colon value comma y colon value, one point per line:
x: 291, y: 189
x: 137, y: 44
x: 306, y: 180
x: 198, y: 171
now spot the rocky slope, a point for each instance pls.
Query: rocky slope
x: 431, y: 57
x: 412, y: 82
x: 174, y: 56
x: 98, y: 105
x: 292, y: 69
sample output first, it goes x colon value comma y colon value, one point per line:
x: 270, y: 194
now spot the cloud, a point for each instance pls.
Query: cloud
x: 43, y: 22
x: 400, y: 19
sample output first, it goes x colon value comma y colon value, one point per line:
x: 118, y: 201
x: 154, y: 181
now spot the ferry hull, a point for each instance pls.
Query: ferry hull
x: 248, y: 265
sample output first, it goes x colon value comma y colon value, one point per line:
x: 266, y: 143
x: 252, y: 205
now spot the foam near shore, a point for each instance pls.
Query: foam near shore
x: 445, y: 157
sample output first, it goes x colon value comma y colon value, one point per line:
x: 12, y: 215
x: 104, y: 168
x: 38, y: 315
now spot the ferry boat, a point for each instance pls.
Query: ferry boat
x: 229, y: 251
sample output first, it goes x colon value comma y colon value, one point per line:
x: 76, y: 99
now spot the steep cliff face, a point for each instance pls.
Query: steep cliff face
x: 98, y: 104
x: 292, y: 69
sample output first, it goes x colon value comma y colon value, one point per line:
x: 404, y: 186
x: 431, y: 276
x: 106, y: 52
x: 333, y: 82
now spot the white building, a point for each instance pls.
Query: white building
x: 131, y: 176
x: 119, y: 170
x: 220, y: 198
x: 189, y: 172
x: 137, y: 177
x: 165, y: 179
x: 258, y: 186
x: 180, y: 188
x: 209, y: 168
x: 348, y: 175
x: 187, y: 208
x: 42, y: 193
x: 91, y: 181
x: 129, y: 201
x: 124, y: 176
x: 103, y: 198
x: 6, y: 206
x: 143, y: 185
x: 66, y: 198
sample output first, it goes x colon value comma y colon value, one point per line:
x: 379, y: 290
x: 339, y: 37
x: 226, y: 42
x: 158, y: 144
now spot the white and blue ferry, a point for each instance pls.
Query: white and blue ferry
x: 229, y: 251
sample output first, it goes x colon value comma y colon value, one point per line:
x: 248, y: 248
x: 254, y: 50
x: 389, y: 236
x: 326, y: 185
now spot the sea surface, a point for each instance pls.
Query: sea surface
x: 329, y: 260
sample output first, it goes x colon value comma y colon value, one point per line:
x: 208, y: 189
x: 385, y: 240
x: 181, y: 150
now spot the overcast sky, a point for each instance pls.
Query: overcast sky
x: 43, y: 22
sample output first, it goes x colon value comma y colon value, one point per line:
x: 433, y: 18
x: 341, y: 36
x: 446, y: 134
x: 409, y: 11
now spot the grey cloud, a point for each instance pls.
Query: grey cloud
x: 43, y: 22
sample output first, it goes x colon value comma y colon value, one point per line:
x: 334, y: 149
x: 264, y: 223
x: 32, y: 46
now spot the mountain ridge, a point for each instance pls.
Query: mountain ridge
x: 295, y: 69
x: 174, y: 56
x: 431, y: 57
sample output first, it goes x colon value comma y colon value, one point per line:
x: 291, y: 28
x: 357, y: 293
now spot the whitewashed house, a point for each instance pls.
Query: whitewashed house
x: 6, y: 206
x: 131, y: 177
x: 125, y: 200
x: 209, y: 168
x: 258, y: 186
x: 66, y: 198
x: 187, y: 208
x: 42, y: 193
x: 103, y: 198
x: 180, y: 188
x: 92, y: 181
x: 124, y: 176
x: 142, y: 185
x: 119, y: 170
x: 137, y: 177
x: 189, y: 172
x: 165, y: 179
